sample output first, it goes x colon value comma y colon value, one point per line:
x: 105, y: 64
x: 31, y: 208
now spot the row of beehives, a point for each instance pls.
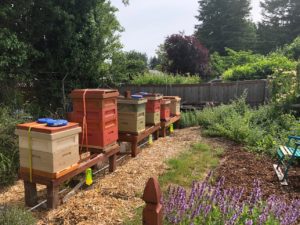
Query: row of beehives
x: 49, y: 146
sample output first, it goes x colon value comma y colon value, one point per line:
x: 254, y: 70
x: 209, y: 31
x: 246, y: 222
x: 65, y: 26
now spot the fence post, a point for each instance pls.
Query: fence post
x: 153, y: 211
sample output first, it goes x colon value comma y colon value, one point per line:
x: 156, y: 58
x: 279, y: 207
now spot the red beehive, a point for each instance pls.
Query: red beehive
x: 96, y: 111
x: 153, y: 103
x: 165, y: 109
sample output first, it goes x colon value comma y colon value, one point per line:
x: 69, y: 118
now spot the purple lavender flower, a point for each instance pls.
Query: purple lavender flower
x: 248, y: 222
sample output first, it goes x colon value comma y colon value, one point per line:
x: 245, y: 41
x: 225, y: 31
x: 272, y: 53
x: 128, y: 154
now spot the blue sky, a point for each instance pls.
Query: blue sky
x: 148, y: 22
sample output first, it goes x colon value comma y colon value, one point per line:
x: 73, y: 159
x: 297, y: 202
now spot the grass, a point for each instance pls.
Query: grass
x: 183, y: 170
x: 190, y: 165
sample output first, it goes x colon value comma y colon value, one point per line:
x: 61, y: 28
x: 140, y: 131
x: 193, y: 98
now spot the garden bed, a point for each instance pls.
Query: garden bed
x: 240, y: 168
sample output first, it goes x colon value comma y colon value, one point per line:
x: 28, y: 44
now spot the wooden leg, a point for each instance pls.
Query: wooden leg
x: 30, y: 193
x: 157, y: 134
x: 112, y: 163
x: 134, y: 148
x: 163, y: 131
x: 52, y: 196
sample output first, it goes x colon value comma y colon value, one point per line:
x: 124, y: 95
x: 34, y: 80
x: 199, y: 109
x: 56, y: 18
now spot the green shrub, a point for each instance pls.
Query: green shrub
x: 292, y: 50
x: 260, y: 69
x: 16, y: 216
x: 188, y: 119
x: 220, y: 64
x: 162, y: 78
x: 261, y: 130
x: 9, y: 157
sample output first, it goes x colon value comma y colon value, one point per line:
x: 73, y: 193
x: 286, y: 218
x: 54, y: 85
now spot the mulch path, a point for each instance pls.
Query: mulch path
x: 240, y: 168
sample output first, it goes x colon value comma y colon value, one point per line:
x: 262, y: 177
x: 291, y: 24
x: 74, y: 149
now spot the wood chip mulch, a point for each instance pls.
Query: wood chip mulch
x: 115, y: 197
x: 240, y: 168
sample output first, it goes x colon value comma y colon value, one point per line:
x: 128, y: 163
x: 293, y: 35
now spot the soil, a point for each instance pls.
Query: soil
x: 240, y: 168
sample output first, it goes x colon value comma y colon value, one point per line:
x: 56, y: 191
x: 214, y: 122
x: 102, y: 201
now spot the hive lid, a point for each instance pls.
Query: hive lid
x: 43, y: 128
x: 94, y: 93
x: 135, y: 101
x: 165, y: 102
x: 176, y: 98
x: 151, y: 96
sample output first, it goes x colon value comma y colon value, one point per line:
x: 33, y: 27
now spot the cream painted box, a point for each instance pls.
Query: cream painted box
x: 51, y: 152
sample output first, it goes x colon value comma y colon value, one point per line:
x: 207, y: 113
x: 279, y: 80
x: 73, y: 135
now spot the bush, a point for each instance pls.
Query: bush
x: 16, y: 216
x: 164, y: 79
x: 260, y: 69
x: 292, y: 50
x: 261, y: 130
x: 208, y: 204
x: 220, y: 64
x: 9, y: 156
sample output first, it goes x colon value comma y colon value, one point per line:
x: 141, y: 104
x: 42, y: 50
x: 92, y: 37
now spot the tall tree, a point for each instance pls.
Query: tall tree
x: 68, y: 38
x: 225, y: 24
x: 185, y: 54
x: 280, y: 25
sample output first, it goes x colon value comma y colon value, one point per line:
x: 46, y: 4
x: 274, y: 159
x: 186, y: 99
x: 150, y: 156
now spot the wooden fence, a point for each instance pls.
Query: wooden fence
x: 198, y: 94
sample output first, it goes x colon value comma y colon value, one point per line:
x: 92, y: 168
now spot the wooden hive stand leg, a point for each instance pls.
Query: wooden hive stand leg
x: 112, y: 163
x: 134, y: 147
x: 163, y: 131
x: 156, y: 133
x: 30, y: 193
x: 52, y: 196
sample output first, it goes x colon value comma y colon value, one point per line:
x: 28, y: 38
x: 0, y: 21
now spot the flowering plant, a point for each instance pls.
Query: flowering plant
x: 207, y: 204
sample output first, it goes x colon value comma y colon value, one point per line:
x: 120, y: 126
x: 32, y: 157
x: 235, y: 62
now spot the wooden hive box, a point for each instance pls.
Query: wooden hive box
x: 52, y: 152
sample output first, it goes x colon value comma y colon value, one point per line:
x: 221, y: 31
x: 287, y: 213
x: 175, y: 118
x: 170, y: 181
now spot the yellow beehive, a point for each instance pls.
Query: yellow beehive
x: 51, y: 152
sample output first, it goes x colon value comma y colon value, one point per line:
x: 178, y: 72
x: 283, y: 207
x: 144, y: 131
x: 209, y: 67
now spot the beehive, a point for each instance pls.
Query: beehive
x: 98, y: 107
x: 53, y: 148
x: 175, y: 105
x: 153, y: 118
x: 152, y: 108
x: 165, y: 109
x: 131, y: 114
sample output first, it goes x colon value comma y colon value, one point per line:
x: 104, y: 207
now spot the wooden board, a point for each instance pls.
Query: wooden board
x: 50, y: 175
x: 45, y: 129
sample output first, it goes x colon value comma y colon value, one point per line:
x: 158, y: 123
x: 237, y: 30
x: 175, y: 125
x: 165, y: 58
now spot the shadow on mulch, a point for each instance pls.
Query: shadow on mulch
x: 240, y: 168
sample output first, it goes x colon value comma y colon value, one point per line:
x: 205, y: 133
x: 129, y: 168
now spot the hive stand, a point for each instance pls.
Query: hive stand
x: 135, y: 138
x: 53, y: 184
x: 166, y: 124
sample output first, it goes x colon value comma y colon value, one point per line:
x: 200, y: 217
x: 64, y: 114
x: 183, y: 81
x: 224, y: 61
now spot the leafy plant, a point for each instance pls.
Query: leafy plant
x: 164, y: 79
x: 261, y: 130
x: 9, y: 157
x: 260, y: 69
x: 16, y: 216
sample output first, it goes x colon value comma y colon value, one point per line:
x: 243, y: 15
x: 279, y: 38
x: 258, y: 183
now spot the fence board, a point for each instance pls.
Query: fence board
x: 196, y: 94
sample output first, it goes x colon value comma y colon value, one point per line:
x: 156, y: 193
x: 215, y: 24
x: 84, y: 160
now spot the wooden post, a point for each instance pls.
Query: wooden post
x: 153, y: 211
x: 30, y: 193
x: 134, y: 147
x: 127, y: 94
x: 52, y: 196
x: 112, y: 163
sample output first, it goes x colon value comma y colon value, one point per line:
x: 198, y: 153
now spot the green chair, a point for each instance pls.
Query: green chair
x: 286, y: 155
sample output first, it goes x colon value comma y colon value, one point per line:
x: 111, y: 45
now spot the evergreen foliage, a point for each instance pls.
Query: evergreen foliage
x: 225, y: 24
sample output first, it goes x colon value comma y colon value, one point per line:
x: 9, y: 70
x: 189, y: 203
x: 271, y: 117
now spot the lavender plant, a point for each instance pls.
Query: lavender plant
x: 207, y: 204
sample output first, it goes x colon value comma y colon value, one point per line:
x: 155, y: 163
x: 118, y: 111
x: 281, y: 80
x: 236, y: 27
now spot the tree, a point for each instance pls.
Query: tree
x: 185, y: 54
x: 280, y: 25
x: 70, y: 39
x: 154, y: 63
x: 123, y: 66
x: 225, y: 24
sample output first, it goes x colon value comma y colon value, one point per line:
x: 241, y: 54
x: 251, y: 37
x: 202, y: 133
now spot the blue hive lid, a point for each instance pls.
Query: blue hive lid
x: 57, y: 123
x: 136, y: 96
x: 44, y: 120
